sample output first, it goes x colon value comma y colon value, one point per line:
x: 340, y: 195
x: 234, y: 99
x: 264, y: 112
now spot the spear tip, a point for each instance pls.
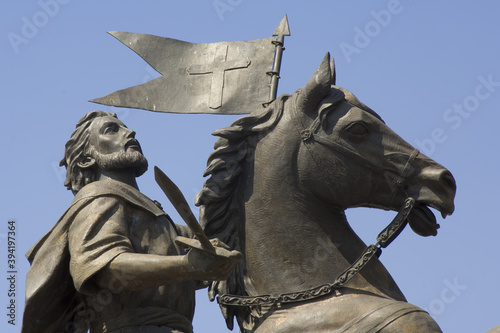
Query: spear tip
x: 283, y: 28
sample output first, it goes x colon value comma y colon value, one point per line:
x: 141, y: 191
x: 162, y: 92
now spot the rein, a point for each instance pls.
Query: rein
x: 383, y: 240
x: 385, y: 237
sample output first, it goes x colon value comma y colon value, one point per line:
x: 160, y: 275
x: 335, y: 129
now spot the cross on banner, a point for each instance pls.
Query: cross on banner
x: 218, y: 68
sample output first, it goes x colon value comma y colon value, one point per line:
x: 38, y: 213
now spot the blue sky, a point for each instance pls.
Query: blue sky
x: 430, y: 69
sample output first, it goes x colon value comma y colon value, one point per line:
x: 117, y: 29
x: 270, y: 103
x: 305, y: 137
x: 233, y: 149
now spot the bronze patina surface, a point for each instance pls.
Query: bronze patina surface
x: 111, y: 262
x: 280, y: 181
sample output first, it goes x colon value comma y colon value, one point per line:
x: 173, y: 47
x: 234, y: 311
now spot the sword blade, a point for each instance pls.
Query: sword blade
x: 180, y: 204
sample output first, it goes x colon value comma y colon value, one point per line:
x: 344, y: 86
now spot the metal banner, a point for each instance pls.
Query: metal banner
x: 218, y: 78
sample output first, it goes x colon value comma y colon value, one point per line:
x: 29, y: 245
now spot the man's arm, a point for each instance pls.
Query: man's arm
x: 141, y: 271
x: 102, y: 255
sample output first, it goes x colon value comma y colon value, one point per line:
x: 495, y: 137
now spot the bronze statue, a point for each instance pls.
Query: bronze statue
x: 111, y: 262
x: 280, y: 181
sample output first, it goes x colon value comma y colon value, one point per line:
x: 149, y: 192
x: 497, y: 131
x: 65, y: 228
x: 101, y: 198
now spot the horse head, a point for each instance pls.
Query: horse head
x: 361, y: 160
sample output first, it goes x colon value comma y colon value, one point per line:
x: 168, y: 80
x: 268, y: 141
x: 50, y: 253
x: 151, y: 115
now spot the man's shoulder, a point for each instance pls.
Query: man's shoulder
x: 115, y: 191
x: 99, y: 188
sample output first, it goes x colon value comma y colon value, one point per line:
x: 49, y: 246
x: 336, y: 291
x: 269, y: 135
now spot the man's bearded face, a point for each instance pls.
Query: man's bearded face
x: 121, y: 160
x: 114, y: 146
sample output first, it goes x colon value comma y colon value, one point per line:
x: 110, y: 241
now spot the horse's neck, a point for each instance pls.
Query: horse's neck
x: 291, y: 247
x: 294, y: 242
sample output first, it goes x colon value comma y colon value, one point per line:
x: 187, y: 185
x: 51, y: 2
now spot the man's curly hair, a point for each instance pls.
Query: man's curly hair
x: 76, y: 152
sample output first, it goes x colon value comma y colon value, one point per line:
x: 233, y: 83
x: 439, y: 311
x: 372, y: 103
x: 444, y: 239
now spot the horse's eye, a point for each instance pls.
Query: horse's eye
x: 357, y: 129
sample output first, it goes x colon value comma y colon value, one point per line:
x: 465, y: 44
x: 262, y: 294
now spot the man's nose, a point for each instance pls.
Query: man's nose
x: 130, y: 133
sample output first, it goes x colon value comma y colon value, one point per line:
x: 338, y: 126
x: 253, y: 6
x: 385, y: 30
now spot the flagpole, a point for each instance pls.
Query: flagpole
x: 281, y: 31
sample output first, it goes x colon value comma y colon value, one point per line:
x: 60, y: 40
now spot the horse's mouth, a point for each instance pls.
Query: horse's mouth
x: 423, y: 221
x: 436, y: 190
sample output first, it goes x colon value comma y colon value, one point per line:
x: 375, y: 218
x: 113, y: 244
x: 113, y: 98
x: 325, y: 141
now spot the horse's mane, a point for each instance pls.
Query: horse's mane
x: 220, y: 210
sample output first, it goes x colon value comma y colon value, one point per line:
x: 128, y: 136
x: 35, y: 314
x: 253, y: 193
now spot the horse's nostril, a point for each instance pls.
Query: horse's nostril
x: 447, y: 178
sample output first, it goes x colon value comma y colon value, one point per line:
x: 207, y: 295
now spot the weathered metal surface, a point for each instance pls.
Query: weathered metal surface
x: 279, y: 187
x: 218, y: 78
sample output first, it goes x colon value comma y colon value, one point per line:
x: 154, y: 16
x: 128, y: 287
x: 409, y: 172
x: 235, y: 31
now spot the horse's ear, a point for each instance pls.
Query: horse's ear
x: 333, y: 74
x: 318, y: 86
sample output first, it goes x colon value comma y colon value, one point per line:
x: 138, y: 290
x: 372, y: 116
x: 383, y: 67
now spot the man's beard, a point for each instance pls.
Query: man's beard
x: 121, y: 160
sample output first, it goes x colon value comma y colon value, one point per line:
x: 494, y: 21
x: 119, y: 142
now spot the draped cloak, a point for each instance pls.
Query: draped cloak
x: 55, y: 285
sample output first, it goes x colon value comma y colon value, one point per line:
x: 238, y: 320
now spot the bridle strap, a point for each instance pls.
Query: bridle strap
x: 398, y: 176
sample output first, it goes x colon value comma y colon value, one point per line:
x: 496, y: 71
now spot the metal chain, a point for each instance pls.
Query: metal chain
x: 383, y: 240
